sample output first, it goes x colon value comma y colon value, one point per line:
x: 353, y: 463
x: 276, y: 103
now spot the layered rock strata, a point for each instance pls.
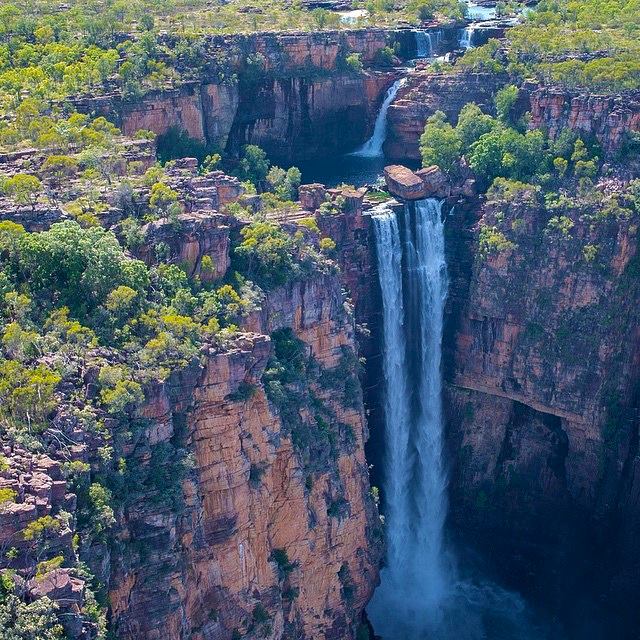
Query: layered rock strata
x: 541, y: 364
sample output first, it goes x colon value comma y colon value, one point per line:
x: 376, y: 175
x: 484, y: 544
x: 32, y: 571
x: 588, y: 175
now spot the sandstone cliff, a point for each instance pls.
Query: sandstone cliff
x: 292, y: 94
x: 427, y: 92
x: 240, y: 506
x: 274, y: 541
x: 542, y: 353
x: 607, y: 118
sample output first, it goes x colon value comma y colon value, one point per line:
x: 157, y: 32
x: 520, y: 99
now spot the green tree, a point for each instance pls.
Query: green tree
x: 505, y: 100
x: 472, y: 124
x: 81, y: 266
x: 164, y: 200
x: 254, y: 164
x: 29, y: 621
x: 26, y: 394
x: 440, y: 144
x: 23, y: 188
x: 266, y: 254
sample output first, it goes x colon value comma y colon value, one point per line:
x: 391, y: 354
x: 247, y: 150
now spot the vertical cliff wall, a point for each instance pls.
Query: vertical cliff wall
x: 605, y: 118
x: 278, y: 536
x: 542, y: 357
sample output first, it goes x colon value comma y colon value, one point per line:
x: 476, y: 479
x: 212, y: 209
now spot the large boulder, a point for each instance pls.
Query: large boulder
x: 312, y: 196
x: 435, y: 182
x: 404, y: 183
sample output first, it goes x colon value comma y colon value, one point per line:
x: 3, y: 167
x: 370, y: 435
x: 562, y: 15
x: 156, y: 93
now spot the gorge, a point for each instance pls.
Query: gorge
x: 389, y: 394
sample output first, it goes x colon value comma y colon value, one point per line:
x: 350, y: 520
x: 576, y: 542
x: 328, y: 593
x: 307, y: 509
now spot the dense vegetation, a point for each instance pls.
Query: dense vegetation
x: 592, y: 44
x: 498, y: 148
x: 94, y: 47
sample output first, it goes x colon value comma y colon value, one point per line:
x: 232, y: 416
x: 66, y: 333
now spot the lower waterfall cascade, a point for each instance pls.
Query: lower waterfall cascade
x: 413, y: 281
x: 423, y: 593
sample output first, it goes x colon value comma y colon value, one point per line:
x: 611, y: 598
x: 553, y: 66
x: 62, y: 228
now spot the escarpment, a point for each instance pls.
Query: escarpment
x: 607, y: 119
x: 295, y: 95
x: 277, y: 535
x: 541, y: 368
x: 229, y: 494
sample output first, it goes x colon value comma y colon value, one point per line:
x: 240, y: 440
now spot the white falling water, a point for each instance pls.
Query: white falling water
x: 420, y: 596
x: 427, y: 43
x: 372, y: 148
x: 466, y: 38
x: 416, y: 580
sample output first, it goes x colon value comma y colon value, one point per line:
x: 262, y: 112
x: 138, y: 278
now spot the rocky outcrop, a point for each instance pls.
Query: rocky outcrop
x: 187, y: 240
x: 607, y: 118
x: 405, y: 184
x: 427, y: 92
x: 40, y: 494
x: 267, y: 545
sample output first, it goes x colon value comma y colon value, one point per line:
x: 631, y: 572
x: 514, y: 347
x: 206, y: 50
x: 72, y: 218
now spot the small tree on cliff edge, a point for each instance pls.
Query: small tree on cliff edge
x: 254, y: 165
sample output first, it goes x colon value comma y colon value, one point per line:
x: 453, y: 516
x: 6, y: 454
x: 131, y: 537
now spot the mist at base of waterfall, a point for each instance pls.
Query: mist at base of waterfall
x: 472, y: 609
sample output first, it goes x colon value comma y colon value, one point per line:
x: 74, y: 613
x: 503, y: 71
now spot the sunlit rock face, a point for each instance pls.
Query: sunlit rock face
x: 206, y: 568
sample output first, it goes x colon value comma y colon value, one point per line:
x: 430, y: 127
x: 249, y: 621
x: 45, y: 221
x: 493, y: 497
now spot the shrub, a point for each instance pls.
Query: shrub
x: 23, y: 188
x: 266, y: 254
x: 7, y: 495
x: 492, y: 241
x: 46, y: 566
x: 164, y: 200
x: 562, y: 224
x: 41, y: 528
x: 440, y: 144
x: 589, y: 252
x: 327, y: 245
x: 505, y: 100
x: 281, y: 558
x: 385, y: 57
x: 254, y: 164
x: 354, y: 62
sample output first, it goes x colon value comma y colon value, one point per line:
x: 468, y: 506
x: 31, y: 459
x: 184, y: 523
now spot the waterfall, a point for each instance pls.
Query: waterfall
x: 413, y: 280
x: 372, y: 148
x: 466, y: 38
x: 421, y: 595
x: 427, y: 43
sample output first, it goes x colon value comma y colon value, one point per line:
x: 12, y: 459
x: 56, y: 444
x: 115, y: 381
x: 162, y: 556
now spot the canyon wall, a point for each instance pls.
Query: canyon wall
x: 607, y: 118
x: 542, y: 354
x: 269, y: 542
x: 427, y: 92
x: 241, y: 504
x: 293, y: 94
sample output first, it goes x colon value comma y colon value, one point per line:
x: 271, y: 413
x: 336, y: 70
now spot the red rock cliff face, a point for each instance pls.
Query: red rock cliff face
x: 542, y: 373
x: 424, y: 94
x: 607, y: 118
x: 210, y: 570
x: 302, y: 101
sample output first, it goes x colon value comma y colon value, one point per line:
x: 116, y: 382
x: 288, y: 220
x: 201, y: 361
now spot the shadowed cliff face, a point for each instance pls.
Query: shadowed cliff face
x: 541, y: 366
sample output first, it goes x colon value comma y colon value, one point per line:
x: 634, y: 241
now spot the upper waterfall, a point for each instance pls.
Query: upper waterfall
x: 372, y: 148
x: 427, y: 42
